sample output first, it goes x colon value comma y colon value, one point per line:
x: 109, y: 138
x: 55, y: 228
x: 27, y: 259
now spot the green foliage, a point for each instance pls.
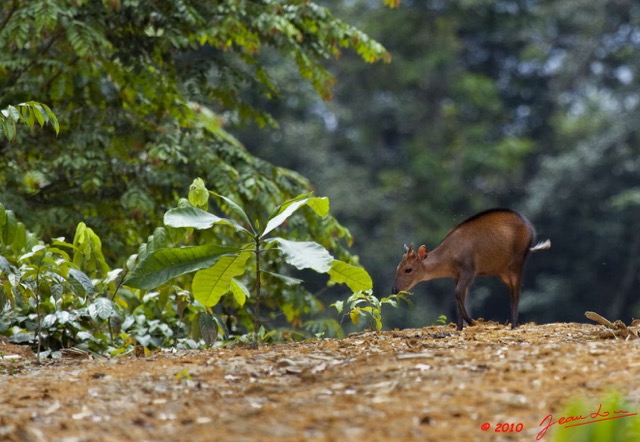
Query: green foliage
x: 14, y: 238
x: 363, y: 304
x: 248, y: 249
x: 47, y: 298
x: 59, y: 295
x: 28, y: 113
x: 147, y: 95
x: 610, y: 417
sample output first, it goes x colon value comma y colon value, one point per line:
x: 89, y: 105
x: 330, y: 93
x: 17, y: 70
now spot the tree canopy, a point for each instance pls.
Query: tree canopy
x: 143, y: 91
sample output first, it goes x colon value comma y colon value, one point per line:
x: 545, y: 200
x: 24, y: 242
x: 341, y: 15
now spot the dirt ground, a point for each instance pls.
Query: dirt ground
x: 429, y: 384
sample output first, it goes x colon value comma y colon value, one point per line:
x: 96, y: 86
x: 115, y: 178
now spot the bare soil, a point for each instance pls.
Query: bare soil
x: 429, y: 384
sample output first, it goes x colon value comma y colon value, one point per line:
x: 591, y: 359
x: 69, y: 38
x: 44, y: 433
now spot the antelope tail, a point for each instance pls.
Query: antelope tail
x: 541, y: 246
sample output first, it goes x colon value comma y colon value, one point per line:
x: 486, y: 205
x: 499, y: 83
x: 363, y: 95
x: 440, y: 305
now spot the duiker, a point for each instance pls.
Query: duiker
x: 492, y: 243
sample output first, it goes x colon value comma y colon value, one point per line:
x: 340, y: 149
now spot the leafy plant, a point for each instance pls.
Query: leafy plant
x: 61, y: 295
x: 219, y: 267
x: 364, y: 304
x: 46, y: 299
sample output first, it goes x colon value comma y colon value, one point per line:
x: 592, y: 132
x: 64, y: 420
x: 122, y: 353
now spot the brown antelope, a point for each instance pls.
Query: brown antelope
x: 492, y: 243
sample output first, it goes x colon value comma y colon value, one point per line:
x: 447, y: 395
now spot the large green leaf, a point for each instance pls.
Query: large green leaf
x: 320, y: 205
x: 164, y: 264
x: 189, y: 216
x: 235, y: 208
x: 240, y: 292
x: 305, y: 254
x: 356, y: 278
x: 9, y: 229
x: 284, y: 211
x: 102, y: 308
x: 84, y: 282
x: 210, y: 284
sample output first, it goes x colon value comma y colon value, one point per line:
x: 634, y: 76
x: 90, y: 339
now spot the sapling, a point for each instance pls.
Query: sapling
x: 219, y: 268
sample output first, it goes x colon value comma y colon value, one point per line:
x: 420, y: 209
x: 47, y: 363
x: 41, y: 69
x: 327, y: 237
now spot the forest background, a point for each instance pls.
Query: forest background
x: 472, y: 104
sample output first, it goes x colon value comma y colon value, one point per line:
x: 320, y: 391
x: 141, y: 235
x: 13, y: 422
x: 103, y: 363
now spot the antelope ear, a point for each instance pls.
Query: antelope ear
x: 422, y: 253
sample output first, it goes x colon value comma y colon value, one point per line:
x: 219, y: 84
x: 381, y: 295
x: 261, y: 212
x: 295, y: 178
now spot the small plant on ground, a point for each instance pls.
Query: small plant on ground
x: 47, y: 300
x: 60, y: 295
x: 365, y: 305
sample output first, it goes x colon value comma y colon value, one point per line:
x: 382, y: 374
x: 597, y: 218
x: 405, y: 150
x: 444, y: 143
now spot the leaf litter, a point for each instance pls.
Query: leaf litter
x: 417, y: 384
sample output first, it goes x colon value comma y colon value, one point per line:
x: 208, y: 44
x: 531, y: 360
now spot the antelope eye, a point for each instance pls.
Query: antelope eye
x: 408, y: 270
